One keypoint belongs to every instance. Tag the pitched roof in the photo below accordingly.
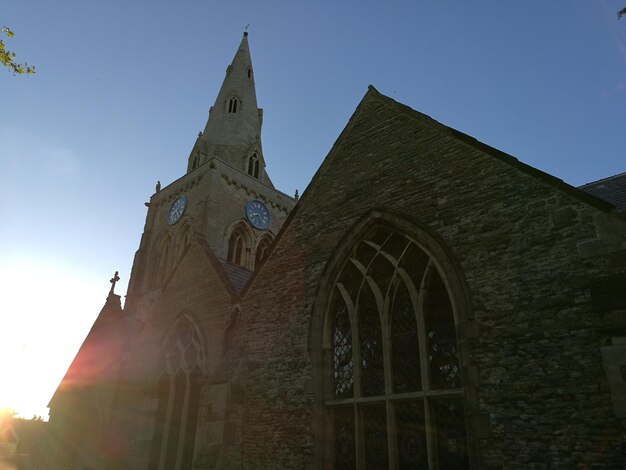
(611, 189)
(237, 275)
(588, 197)
(372, 93)
(100, 355)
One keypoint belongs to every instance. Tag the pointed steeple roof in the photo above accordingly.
(234, 125)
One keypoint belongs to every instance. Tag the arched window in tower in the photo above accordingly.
(253, 165)
(232, 105)
(178, 392)
(183, 238)
(262, 250)
(237, 247)
(396, 399)
(164, 260)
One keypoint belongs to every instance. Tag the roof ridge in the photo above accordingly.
(467, 139)
(606, 178)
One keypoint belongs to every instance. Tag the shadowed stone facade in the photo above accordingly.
(429, 301)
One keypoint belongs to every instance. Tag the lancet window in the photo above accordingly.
(253, 165)
(262, 250)
(232, 105)
(237, 247)
(178, 394)
(396, 397)
(182, 240)
(165, 260)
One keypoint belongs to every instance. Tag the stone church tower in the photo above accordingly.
(226, 196)
(204, 235)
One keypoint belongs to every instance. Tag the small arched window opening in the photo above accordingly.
(253, 165)
(262, 251)
(182, 240)
(395, 398)
(164, 260)
(237, 247)
(232, 105)
(195, 162)
(249, 72)
(178, 393)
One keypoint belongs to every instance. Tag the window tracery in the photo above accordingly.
(396, 397)
(171, 250)
(178, 398)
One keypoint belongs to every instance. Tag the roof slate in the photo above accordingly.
(611, 189)
(237, 275)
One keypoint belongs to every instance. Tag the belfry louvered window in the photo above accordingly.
(253, 165)
(396, 398)
(178, 399)
(232, 105)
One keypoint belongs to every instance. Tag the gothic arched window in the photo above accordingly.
(165, 260)
(253, 165)
(232, 105)
(178, 393)
(396, 398)
(183, 239)
(262, 250)
(237, 247)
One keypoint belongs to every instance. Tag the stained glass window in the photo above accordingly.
(370, 335)
(374, 421)
(397, 397)
(406, 371)
(343, 379)
(344, 438)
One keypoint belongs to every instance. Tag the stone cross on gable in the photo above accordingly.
(113, 281)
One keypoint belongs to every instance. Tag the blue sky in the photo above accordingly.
(122, 89)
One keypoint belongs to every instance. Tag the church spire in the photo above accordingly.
(233, 129)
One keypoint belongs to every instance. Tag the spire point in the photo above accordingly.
(245, 34)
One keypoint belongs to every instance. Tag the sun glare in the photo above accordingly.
(46, 315)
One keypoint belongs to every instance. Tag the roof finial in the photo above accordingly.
(296, 196)
(245, 33)
(158, 186)
(113, 281)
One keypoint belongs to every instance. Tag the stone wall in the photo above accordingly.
(533, 370)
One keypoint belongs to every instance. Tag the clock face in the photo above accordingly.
(177, 209)
(258, 215)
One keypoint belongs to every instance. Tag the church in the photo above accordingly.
(428, 302)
